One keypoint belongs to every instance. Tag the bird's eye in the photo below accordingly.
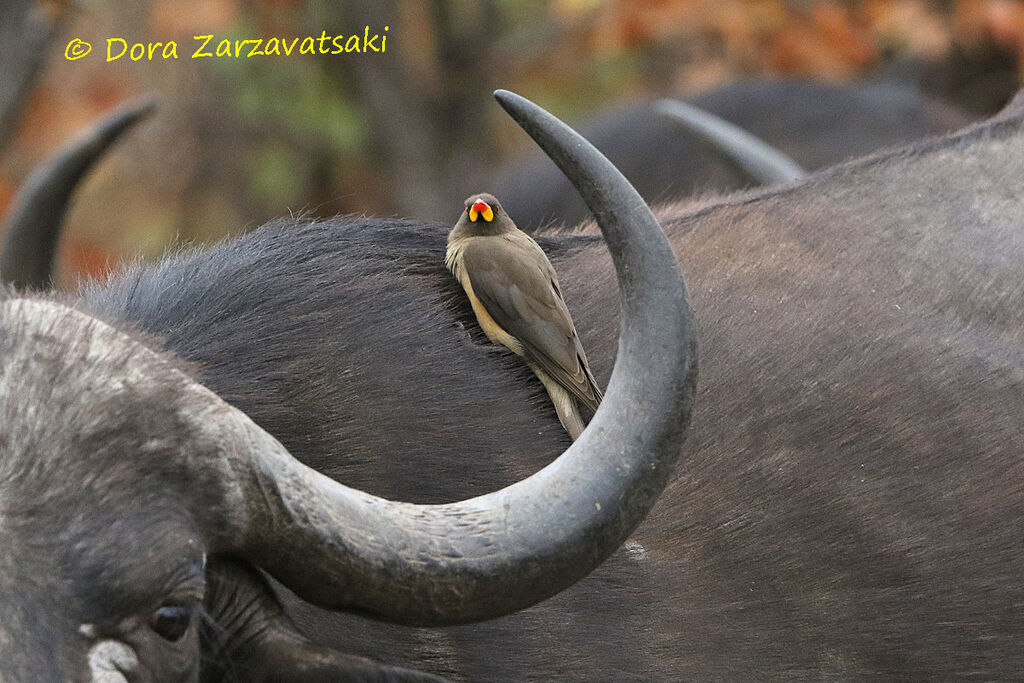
(497, 210)
(171, 622)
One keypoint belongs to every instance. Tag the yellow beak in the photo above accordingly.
(481, 208)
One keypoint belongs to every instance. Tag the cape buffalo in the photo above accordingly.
(817, 124)
(846, 506)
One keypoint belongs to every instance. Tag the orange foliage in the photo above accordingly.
(825, 38)
(86, 259)
(186, 18)
(643, 44)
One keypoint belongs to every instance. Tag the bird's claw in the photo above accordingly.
(467, 339)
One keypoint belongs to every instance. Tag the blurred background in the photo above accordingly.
(409, 132)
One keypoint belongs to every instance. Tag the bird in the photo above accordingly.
(518, 303)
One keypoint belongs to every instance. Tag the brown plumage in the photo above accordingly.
(517, 301)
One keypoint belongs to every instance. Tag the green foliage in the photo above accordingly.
(277, 175)
(293, 95)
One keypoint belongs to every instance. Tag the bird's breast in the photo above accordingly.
(495, 332)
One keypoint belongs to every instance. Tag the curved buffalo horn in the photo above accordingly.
(763, 164)
(492, 555)
(33, 224)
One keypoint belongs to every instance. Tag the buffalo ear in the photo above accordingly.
(248, 637)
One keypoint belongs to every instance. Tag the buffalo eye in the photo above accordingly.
(172, 621)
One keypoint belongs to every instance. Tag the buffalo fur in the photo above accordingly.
(348, 336)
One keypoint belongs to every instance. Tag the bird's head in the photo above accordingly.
(483, 213)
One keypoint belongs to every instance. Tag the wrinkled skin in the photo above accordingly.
(56, 578)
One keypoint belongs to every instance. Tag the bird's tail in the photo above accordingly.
(571, 419)
(566, 406)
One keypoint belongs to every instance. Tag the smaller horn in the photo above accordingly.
(34, 222)
(762, 163)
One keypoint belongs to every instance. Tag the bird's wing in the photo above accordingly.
(517, 285)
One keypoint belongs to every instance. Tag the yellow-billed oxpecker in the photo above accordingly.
(517, 301)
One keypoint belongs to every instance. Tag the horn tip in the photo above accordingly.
(676, 108)
(511, 102)
(144, 106)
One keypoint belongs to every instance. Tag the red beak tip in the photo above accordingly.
(480, 205)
